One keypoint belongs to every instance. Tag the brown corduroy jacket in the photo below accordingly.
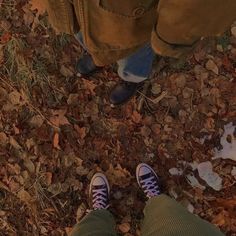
(113, 29)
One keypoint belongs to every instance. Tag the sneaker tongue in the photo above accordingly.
(99, 186)
(146, 176)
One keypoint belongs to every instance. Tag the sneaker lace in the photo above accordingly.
(150, 187)
(100, 199)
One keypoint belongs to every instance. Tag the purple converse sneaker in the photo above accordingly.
(99, 192)
(148, 180)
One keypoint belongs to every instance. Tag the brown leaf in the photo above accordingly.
(36, 121)
(80, 212)
(48, 178)
(66, 71)
(68, 230)
(28, 16)
(211, 65)
(14, 143)
(156, 128)
(136, 117)
(81, 131)
(56, 141)
(58, 118)
(209, 124)
(145, 131)
(233, 31)
(124, 227)
(73, 99)
(89, 85)
(180, 81)
(118, 175)
(25, 197)
(3, 139)
(29, 165)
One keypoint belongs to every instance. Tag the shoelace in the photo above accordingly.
(100, 199)
(150, 187)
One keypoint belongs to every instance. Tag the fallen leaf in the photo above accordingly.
(36, 121)
(156, 129)
(118, 175)
(156, 89)
(5, 37)
(233, 31)
(124, 227)
(25, 197)
(16, 99)
(58, 118)
(89, 85)
(181, 81)
(175, 171)
(210, 124)
(29, 165)
(146, 131)
(136, 117)
(80, 212)
(14, 143)
(82, 132)
(193, 181)
(68, 230)
(28, 16)
(187, 92)
(211, 65)
(55, 189)
(56, 141)
(4, 140)
(73, 99)
(66, 71)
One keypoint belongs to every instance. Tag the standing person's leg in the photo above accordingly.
(133, 70)
(85, 65)
(99, 222)
(96, 223)
(163, 215)
(137, 67)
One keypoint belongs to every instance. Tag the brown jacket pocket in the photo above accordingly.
(110, 28)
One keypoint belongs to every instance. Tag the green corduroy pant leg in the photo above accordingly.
(96, 223)
(163, 216)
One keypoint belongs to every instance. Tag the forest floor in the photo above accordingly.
(57, 130)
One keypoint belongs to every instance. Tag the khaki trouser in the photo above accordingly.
(163, 217)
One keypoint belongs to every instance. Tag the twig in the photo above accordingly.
(147, 85)
(158, 99)
(143, 93)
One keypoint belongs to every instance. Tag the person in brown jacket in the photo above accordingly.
(131, 32)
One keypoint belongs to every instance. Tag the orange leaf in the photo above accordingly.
(56, 141)
(5, 37)
(81, 131)
(90, 85)
(136, 117)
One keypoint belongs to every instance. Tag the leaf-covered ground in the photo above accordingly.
(57, 130)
